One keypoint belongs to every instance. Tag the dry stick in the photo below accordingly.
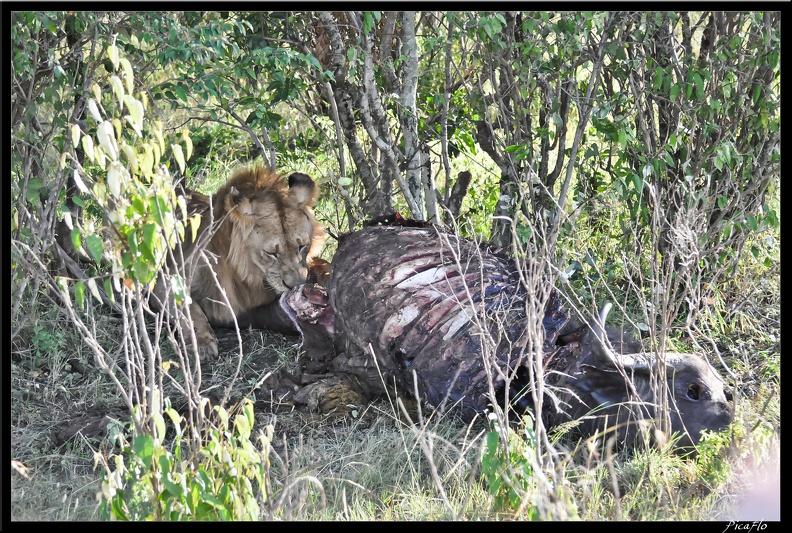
(228, 389)
(584, 111)
(243, 125)
(392, 153)
(337, 123)
(444, 113)
(90, 339)
(612, 472)
(408, 115)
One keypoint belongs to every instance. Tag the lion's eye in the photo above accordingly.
(303, 249)
(272, 255)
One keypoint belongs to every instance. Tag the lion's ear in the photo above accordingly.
(235, 199)
(302, 189)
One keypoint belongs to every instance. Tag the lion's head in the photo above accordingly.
(271, 230)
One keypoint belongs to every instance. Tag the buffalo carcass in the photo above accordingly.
(424, 302)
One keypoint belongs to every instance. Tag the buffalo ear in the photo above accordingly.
(603, 385)
(302, 189)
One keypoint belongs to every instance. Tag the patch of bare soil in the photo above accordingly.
(264, 367)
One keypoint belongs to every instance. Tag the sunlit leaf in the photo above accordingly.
(135, 109)
(88, 147)
(79, 182)
(101, 157)
(106, 136)
(94, 110)
(129, 78)
(159, 424)
(179, 155)
(112, 55)
(195, 223)
(188, 144)
(100, 191)
(75, 134)
(94, 289)
(63, 285)
(118, 91)
(131, 156)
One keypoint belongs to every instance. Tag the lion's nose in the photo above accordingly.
(296, 278)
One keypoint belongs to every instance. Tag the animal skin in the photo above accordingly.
(398, 309)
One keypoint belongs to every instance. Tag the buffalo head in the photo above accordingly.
(607, 389)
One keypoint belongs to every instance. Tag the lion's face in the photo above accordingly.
(279, 247)
(274, 233)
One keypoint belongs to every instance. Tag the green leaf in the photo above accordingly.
(138, 205)
(752, 222)
(772, 59)
(148, 245)
(108, 287)
(79, 293)
(368, 21)
(699, 81)
(119, 508)
(675, 90)
(756, 93)
(722, 202)
(76, 236)
(143, 447)
(95, 246)
(622, 138)
(181, 93)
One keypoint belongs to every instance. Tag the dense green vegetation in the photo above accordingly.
(631, 157)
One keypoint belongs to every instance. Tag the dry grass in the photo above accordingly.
(374, 464)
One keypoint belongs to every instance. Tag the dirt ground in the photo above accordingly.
(268, 373)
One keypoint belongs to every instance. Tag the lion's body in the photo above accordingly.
(261, 231)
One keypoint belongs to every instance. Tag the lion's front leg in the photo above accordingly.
(204, 334)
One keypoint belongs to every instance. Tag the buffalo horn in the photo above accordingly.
(598, 345)
(638, 362)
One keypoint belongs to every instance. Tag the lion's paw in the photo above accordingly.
(207, 346)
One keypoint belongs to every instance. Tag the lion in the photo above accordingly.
(260, 233)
